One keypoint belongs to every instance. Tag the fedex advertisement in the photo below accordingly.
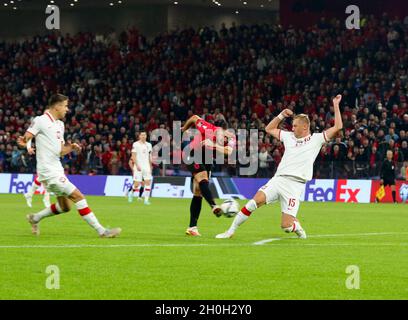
(316, 190)
(337, 190)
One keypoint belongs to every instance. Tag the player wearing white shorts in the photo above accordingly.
(142, 168)
(294, 170)
(139, 189)
(48, 131)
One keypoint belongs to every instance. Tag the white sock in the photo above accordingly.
(48, 212)
(134, 190)
(146, 193)
(243, 215)
(88, 216)
(239, 219)
(294, 227)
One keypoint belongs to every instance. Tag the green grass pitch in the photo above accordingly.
(153, 259)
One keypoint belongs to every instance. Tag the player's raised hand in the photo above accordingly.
(337, 99)
(287, 113)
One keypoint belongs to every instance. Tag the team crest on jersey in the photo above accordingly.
(59, 134)
(62, 179)
(302, 142)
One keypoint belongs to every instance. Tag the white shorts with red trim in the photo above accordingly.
(60, 186)
(287, 191)
(142, 175)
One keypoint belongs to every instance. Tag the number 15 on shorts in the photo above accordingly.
(291, 202)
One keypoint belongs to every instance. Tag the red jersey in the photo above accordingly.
(208, 131)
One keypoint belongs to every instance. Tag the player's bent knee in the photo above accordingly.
(260, 199)
(76, 196)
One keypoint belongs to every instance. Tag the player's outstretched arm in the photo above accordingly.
(272, 127)
(191, 121)
(227, 150)
(338, 122)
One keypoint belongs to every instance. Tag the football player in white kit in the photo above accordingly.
(294, 170)
(142, 169)
(48, 130)
(131, 189)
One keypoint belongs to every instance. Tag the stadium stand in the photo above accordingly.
(121, 83)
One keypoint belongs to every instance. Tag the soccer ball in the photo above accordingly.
(230, 208)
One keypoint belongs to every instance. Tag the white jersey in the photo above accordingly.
(49, 137)
(299, 155)
(143, 152)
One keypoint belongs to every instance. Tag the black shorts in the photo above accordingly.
(195, 168)
(389, 182)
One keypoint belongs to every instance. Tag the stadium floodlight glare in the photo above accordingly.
(6, 4)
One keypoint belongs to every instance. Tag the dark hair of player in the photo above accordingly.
(56, 98)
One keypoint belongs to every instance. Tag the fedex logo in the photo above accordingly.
(19, 183)
(338, 190)
(127, 184)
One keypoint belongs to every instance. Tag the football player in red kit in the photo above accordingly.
(215, 139)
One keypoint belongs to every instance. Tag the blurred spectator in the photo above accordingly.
(264, 163)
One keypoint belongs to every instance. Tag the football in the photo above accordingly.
(230, 208)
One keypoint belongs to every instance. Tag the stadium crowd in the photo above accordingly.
(120, 84)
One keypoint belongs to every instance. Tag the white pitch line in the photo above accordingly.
(67, 246)
(225, 243)
(262, 242)
(147, 245)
